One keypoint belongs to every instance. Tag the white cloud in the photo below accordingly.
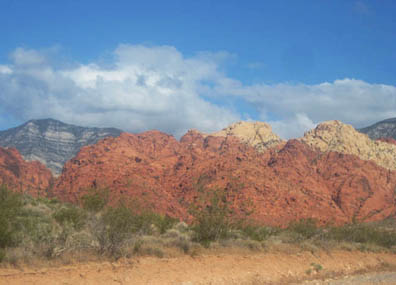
(27, 57)
(158, 88)
(5, 69)
(352, 101)
(146, 88)
(292, 127)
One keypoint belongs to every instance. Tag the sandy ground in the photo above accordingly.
(254, 268)
(388, 278)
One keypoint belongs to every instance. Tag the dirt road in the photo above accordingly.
(260, 268)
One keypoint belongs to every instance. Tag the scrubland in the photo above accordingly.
(42, 231)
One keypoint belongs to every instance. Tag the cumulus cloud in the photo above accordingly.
(145, 88)
(5, 69)
(293, 126)
(158, 88)
(298, 107)
(27, 57)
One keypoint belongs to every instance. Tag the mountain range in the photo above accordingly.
(382, 129)
(334, 173)
(52, 142)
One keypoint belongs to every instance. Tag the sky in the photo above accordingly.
(179, 65)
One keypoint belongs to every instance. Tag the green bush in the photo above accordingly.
(95, 200)
(71, 215)
(362, 233)
(305, 227)
(213, 217)
(161, 222)
(119, 224)
(34, 226)
(256, 232)
(10, 207)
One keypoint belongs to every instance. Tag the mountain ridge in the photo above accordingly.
(382, 129)
(52, 142)
(333, 174)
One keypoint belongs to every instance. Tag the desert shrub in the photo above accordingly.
(2, 255)
(34, 225)
(257, 233)
(71, 215)
(181, 227)
(213, 217)
(160, 222)
(362, 233)
(118, 224)
(151, 251)
(95, 200)
(10, 207)
(305, 227)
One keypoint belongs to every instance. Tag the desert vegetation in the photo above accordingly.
(45, 230)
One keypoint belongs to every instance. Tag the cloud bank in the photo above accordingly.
(157, 87)
(299, 107)
(144, 88)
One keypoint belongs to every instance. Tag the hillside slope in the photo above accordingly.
(382, 129)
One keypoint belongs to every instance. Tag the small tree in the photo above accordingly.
(95, 200)
(213, 216)
(117, 225)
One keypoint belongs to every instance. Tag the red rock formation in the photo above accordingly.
(284, 184)
(131, 165)
(32, 178)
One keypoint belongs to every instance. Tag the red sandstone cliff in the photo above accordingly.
(284, 184)
(32, 178)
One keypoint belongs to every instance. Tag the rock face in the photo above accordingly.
(257, 134)
(383, 129)
(52, 142)
(134, 166)
(32, 178)
(283, 184)
(339, 137)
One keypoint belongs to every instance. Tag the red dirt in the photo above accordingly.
(261, 268)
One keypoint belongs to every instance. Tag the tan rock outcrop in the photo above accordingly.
(339, 137)
(257, 134)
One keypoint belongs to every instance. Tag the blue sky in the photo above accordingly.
(175, 65)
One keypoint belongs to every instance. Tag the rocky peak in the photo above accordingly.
(52, 142)
(257, 134)
(339, 137)
(192, 137)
